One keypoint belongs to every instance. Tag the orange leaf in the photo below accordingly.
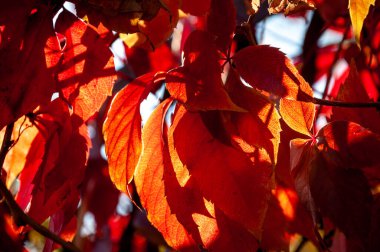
(200, 78)
(358, 12)
(122, 130)
(151, 186)
(17, 155)
(224, 175)
(298, 115)
(87, 73)
(268, 69)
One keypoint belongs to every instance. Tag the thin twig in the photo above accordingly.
(346, 104)
(335, 60)
(17, 213)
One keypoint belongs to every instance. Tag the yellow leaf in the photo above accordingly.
(358, 12)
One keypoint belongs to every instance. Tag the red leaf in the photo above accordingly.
(262, 116)
(330, 10)
(200, 77)
(98, 14)
(275, 233)
(353, 91)
(29, 51)
(355, 145)
(52, 174)
(342, 162)
(268, 69)
(224, 175)
(179, 211)
(161, 26)
(197, 8)
(221, 22)
(285, 217)
(122, 130)
(301, 155)
(298, 115)
(330, 185)
(143, 61)
(86, 75)
(374, 242)
(98, 190)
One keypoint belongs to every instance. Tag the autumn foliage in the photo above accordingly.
(240, 150)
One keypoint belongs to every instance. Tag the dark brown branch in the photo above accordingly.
(7, 143)
(346, 104)
(17, 213)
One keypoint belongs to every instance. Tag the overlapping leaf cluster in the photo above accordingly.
(215, 173)
(50, 140)
(230, 160)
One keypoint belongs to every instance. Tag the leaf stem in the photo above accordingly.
(346, 104)
(17, 213)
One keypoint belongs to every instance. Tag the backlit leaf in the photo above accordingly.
(86, 74)
(122, 130)
(52, 183)
(151, 186)
(179, 211)
(358, 12)
(17, 156)
(224, 175)
(268, 69)
(298, 115)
